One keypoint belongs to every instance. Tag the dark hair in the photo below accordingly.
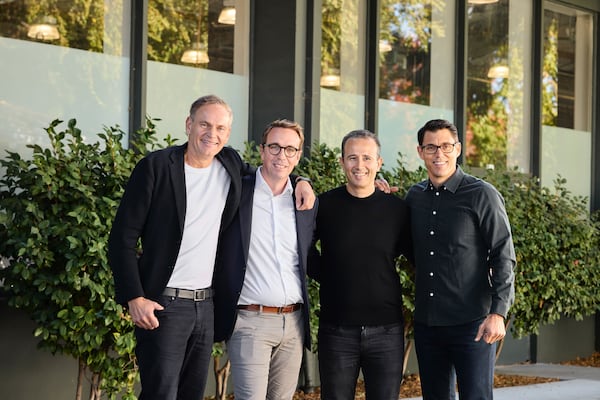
(210, 99)
(284, 123)
(435, 125)
(361, 134)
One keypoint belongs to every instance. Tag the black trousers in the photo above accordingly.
(174, 358)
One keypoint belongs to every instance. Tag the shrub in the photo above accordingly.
(557, 243)
(56, 210)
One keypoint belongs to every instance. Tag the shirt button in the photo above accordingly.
(431, 294)
(431, 253)
(437, 193)
(434, 212)
(431, 274)
(431, 233)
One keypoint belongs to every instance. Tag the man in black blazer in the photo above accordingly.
(162, 249)
(261, 300)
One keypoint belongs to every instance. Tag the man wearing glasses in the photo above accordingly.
(261, 301)
(464, 259)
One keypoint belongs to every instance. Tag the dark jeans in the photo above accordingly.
(173, 359)
(344, 350)
(443, 350)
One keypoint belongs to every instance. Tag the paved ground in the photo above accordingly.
(577, 383)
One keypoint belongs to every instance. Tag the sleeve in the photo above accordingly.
(313, 262)
(126, 231)
(497, 235)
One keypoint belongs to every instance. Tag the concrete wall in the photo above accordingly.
(566, 339)
(27, 373)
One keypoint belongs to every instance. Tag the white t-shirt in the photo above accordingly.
(206, 192)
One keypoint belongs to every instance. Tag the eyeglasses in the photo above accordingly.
(275, 149)
(432, 148)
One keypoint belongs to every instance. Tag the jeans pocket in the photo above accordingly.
(165, 302)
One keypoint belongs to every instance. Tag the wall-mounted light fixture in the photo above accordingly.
(45, 29)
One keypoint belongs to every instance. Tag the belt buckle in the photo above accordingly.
(199, 295)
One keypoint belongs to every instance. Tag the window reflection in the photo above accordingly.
(566, 97)
(343, 59)
(86, 25)
(404, 50)
(342, 45)
(189, 33)
(567, 70)
(174, 27)
(488, 75)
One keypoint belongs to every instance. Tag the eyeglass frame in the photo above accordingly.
(272, 146)
(431, 145)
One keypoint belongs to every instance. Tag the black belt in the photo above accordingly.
(268, 309)
(196, 295)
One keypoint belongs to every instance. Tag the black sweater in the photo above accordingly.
(360, 241)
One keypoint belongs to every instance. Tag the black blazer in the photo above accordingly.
(232, 258)
(153, 209)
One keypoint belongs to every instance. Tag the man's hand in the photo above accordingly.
(305, 196)
(384, 186)
(491, 329)
(142, 312)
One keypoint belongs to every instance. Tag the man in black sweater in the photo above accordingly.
(362, 231)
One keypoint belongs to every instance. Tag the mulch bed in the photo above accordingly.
(411, 386)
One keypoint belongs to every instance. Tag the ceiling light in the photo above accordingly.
(227, 14)
(498, 71)
(482, 1)
(331, 78)
(44, 30)
(195, 55)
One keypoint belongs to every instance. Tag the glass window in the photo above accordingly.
(78, 24)
(412, 88)
(196, 48)
(342, 69)
(498, 61)
(567, 97)
(404, 48)
(68, 59)
(192, 33)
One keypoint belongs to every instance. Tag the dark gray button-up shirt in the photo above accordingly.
(464, 254)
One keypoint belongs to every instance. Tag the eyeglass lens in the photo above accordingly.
(445, 147)
(275, 149)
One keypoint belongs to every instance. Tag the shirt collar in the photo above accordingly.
(452, 183)
(264, 187)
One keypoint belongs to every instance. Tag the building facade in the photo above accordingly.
(519, 78)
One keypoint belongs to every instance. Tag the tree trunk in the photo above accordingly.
(407, 349)
(95, 391)
(80, 376)
(221, 377)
